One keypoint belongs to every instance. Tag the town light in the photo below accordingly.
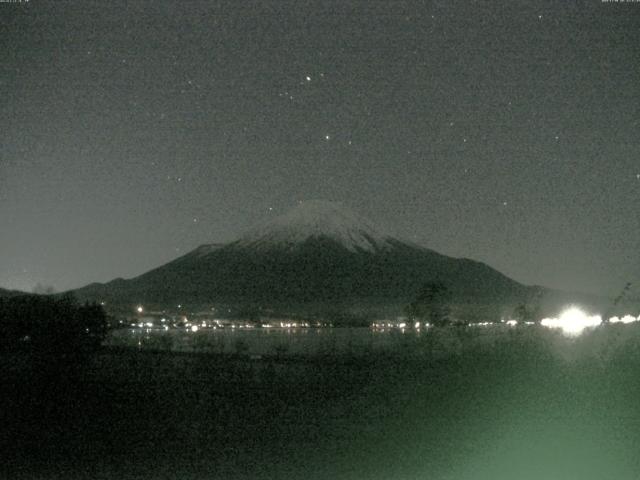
(625, 319)
(572, 321)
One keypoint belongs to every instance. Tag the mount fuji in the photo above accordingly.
(318, 255)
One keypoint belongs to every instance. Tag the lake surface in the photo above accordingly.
(436, 343)
(260, 341)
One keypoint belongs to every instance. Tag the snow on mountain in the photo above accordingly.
(317, 219)
(204, 250)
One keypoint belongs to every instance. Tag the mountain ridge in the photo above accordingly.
(6, 293)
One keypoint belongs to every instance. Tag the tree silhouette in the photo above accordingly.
(432, 304)
(524, 313)
(45, 325)
(616, 301)
(528, 310)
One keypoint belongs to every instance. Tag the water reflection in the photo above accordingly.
(355, 341)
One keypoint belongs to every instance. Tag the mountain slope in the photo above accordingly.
(319, 253)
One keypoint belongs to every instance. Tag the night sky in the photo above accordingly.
(507, 132)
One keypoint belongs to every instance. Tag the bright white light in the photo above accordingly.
(194, 328)
(149, 324)
(140, 309)
(572, 321)
(512, 323)
(625, 319)
(417, 325)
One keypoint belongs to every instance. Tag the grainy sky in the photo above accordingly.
(507, 132)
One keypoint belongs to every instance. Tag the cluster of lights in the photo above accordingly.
(382, 325)
(626, 319)
(573, 321)
(294, 325)
(481, 324)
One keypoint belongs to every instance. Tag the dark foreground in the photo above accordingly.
(530, 405)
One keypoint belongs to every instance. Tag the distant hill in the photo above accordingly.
(320, 256)
(11, 293)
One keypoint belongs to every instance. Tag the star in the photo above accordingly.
(327, 137)
(308, 78)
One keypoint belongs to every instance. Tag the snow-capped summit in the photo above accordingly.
(318, 219)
